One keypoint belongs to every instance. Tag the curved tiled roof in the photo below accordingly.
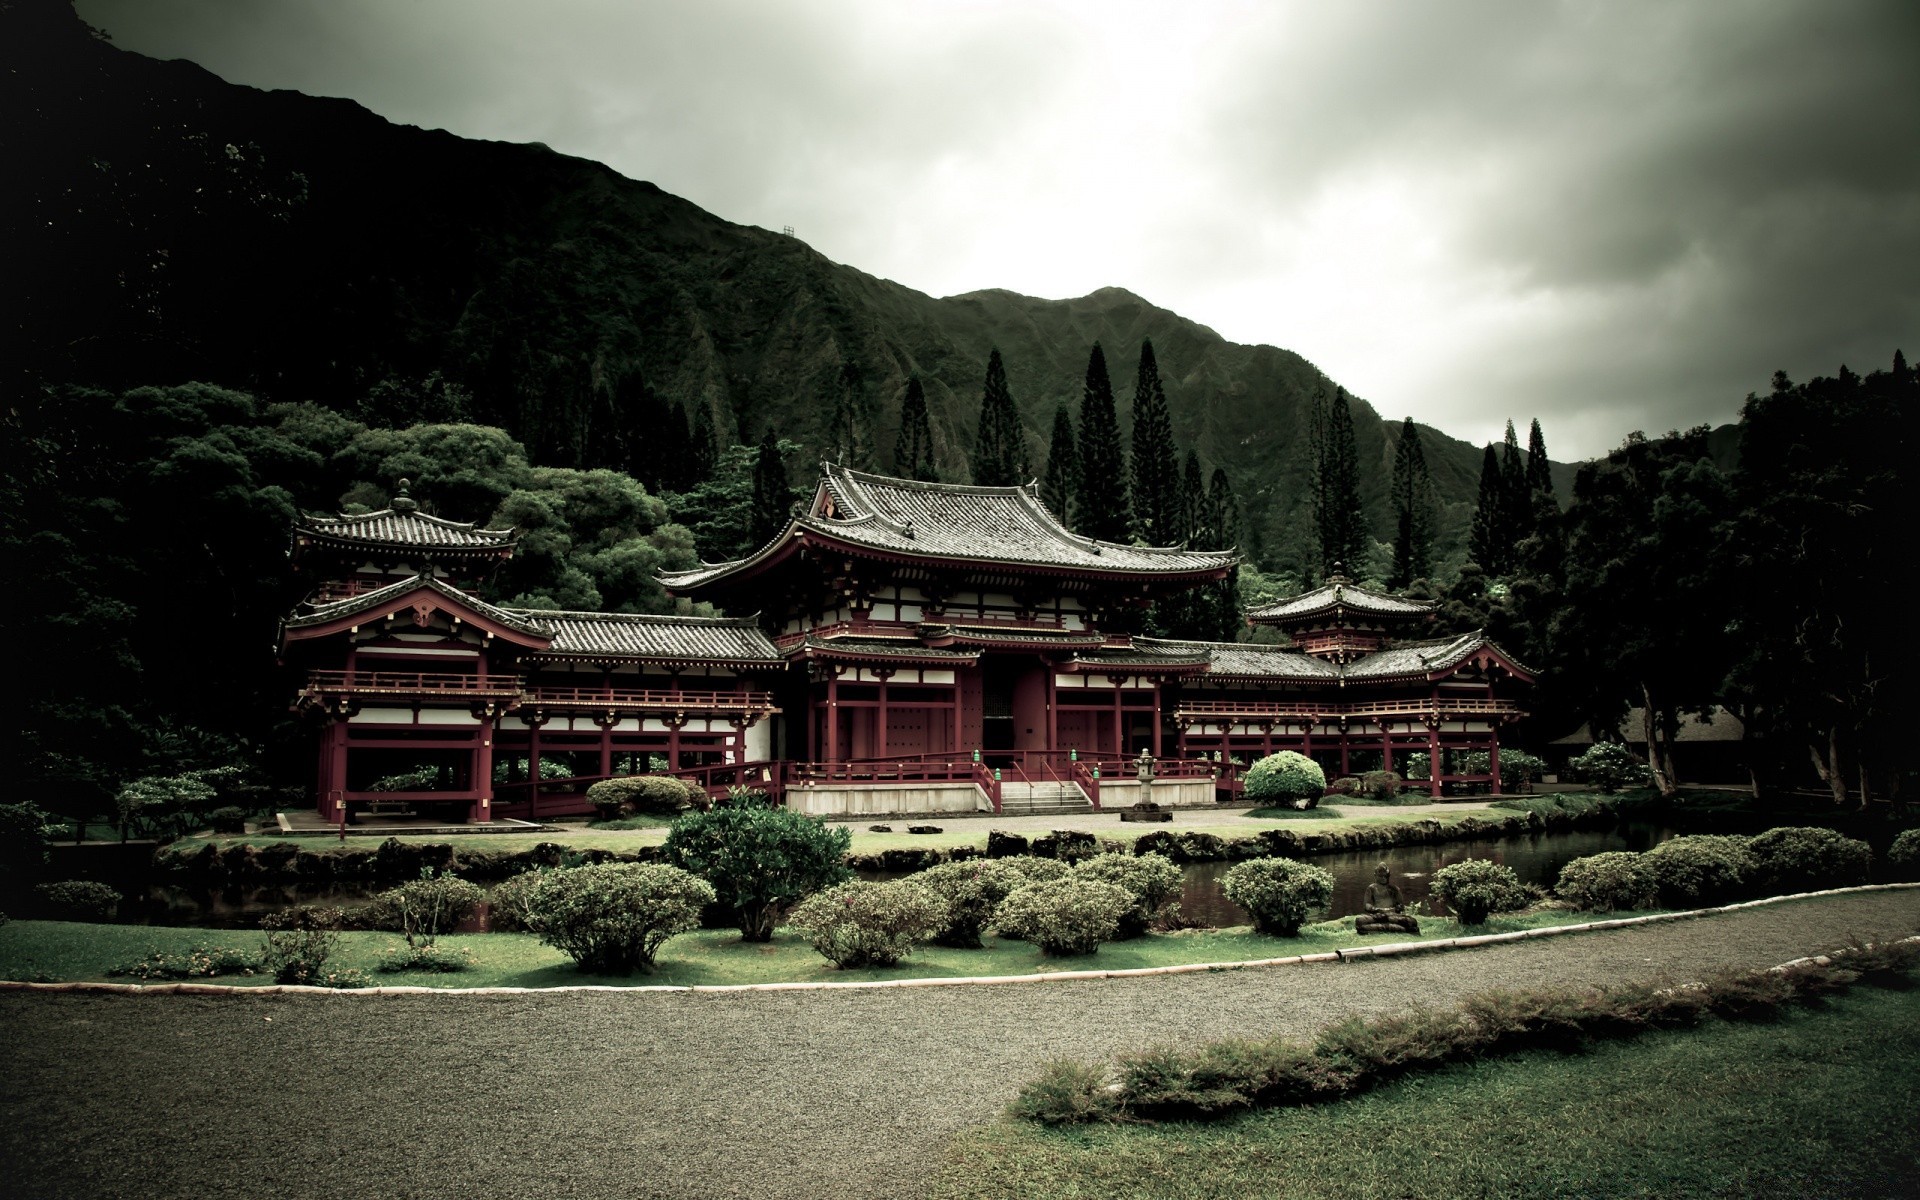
(1421, 658)
(997, 525)
(1242, 660)
(1145, 655)
(333, 610)
(403, 527)
(695, 639)
(865, 647)
(1338, 594)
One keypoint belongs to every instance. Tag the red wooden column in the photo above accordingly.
(337, 766)
(1493, 754)
(533, 721)
(959, 724)
(833, 716)
(1156, 721)
(483, 767)
(674, 724)
(606, 723)
(1433, 758)
(1053, 709)
(1119, 722)
(1344, 771)
(880, 720)
(1386, 746)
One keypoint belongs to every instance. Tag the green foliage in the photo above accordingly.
(77, 900)
(1608, 882)
(420, 779)
(772, 505)
(860, 924)
(1518, 769)
(758, 859)
(1061, 479)
(1904, 855)
(1478, 887)
(228, 819)
(1278, 893)
(1101, 508)
(972, 890)
(198, 962)
(160, 805)
(663, 795)
(510, 902)
(1155, 491)
(1285, 777)
(1339, 522)
(427, 958)
(1151, 879)
(427, 907)
(612, 918)
(1067, 1092)
(1491, 541)
(299, 941)
(913, 448)
(1000, 450)
(1070, 916)
(25, 834)
(1413, 502)
(1611, 766)
(1701, 869)
(1804, 859)
(1380, 787)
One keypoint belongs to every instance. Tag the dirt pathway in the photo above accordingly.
(794, 1094)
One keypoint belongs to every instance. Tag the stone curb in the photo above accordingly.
(1349, 954)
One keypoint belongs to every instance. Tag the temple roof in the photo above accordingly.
(1338, 595)
(334, 610)
(1419, 658)
(1413, 660)
(988, 525)
(688, 639)
(403, 527)
(1244, 660)
(874, 647)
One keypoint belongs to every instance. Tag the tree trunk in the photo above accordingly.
(1835, 777)
(1866, 787)
(1662, 771)
(756, 922)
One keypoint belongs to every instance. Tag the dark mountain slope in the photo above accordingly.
(170, 226)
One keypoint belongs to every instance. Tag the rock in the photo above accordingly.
(923, 829)
(1006, 845)
(1139, 813)
(1157, 842)
(879, 829)
(1072, 845)
(1385, 923)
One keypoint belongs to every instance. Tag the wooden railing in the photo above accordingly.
(650, 698)
(515, 687)
(411, 683)
(1212, 710)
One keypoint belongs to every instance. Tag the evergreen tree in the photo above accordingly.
(1514, 491)
(1196, 515)
(1338, 521)
(848, 442)
(1223, 533)
(639, 414)
(1487, 541)
(1413, 505)
(1101, 504)
(703, 450)
(1000, 452)
(913, 449)
(772, 497)
(675, 443)
(1156, 479)
(1062, 477)
(1539, 469)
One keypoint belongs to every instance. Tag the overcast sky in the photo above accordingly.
(1609, 215)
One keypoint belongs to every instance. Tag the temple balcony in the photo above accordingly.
(649, 700)
(409, 686)
(1214, 712)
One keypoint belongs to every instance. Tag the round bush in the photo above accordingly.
(1700, 869)
(1279, 893)
(228, 819)
(759, 859)
(1904, 855)
(1151, 879)
(509, 903)
(78, 900)
(1065, 916)
(612, 918)
(972, 890)
(427, 907)
(1034, 869)
(863, 924)
(1478, 887)
(1805, 859)
(1610, 766)
(1608, 882)
(659, 795)
(1285, 778)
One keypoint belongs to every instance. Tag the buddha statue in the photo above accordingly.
(1385, 907)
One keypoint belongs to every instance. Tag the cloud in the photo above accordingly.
(1613, 216)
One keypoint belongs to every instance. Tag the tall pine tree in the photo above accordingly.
(1223, 533)
(1539, 469)
(1101, 505)
(1196, 521)
(848, 440)
(1061, 479)
(1513, 486)
(913, 448)
(1413, 504)
(1000, 452)
(1338, 520)
(1488, 541)
(772, 497)
(1156, 478)
(703, 451)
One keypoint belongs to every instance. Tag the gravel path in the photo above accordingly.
(770, 1094)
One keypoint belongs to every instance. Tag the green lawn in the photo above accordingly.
(1817, 1103)
(68, 950)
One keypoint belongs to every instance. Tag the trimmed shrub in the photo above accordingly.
(1151, 879)
(1903, 857)
(427, 907)
(1610, 766)
(1478, 887)
(660, 795)
(1608, 882)
(612, 918)
(200, 962)
(510, 903)
(1284, 778)
(1346, 785)
(1278, 893)
(1066, 916)
(1700, 869)
(1066, 1093)
(427, 958)
(1798, 858)
(971, 891)
(759, 859)
(25, 833)
(1383, 786)
(77, 900)
(1035, 869)
(1520, 770)
(228, 819)
(862, 924)
(300, 940)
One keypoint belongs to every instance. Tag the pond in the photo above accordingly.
(1536, 858)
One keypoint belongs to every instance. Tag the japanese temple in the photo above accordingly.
(915, 648)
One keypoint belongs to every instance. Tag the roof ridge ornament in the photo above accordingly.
(401, 502)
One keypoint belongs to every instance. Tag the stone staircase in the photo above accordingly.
(1042, 799)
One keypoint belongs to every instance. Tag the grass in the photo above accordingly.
(72, 951)
(1296, 814)
(1816, 1103)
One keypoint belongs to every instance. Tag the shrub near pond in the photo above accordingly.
(612, 918)
(1478, 887)
(1279, 893)
(427, 907)
(759, 859)
(971, 891)
(1151, 879)
(300, 940)
(77, 900)
(862, 924)
(660, 795)
(1806, 859)
(1700, 869)
(1608, 882)
(1903, 857)
(1284, 778)
(1065, 916)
